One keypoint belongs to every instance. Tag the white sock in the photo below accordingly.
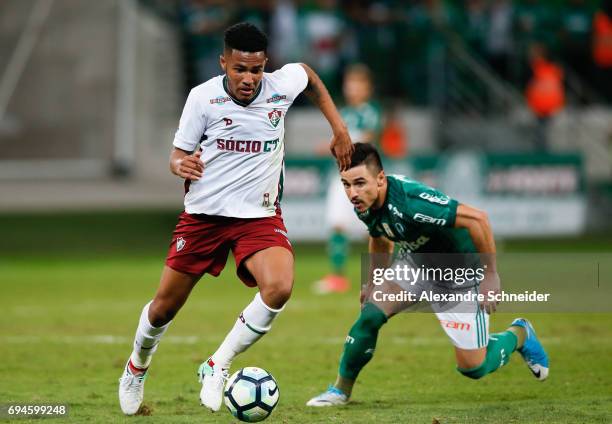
(253, 323)
(146, 339)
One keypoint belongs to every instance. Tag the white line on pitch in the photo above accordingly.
(191, 340)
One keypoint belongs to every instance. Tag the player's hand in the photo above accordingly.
(490, 284)
(191, 167)
(342, 149)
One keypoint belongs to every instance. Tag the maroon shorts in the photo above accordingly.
(201, 243)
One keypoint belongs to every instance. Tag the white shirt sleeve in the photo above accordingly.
(296, 78)
(192, 125)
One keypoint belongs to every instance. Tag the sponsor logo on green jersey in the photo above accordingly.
(442, 200)
(412, 246)
(419, 217)
(395, 211)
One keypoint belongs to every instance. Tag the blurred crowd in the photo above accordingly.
(395, 38)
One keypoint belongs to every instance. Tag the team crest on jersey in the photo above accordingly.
(219, 100)
(275, 117)
(276, 98)
(388, 230)
(180, 244)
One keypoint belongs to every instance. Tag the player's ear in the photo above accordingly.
(222, 62)
(380, 178)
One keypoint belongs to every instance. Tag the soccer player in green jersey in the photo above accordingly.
(362, 116)
(423, 220)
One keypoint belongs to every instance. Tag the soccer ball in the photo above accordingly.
(251, 394)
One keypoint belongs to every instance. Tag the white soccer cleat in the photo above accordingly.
(131, 390)
(213, 379)
(331, 397)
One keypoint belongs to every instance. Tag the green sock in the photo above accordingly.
(499, 349)
(361, 342)
(338, 249)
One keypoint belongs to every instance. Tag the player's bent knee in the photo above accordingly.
(277, 293)
(368, 323)
(371, 319)
(284, 293)
(475, 373)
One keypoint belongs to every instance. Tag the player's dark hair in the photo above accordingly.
(245, 37)
(359, 69)
(366, 153)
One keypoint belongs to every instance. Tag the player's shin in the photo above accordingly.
(254, 321)
(146, 340)
(359, 346)
(499, 349)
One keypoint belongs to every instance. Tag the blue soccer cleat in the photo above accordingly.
(532, 351)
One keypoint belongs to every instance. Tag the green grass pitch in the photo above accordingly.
(69, 311)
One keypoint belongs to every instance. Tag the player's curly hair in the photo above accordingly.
(366, 153)
(245, 37)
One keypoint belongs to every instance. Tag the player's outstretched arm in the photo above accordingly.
(341, 146)
(380, 249)
(186, 165)
(477, 223)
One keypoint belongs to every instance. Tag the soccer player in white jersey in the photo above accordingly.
(229, 149)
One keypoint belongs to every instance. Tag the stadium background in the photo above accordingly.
(90, 95)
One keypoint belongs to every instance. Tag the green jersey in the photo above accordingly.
(360, 119)
(418, 218)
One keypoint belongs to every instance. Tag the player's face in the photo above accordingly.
(362, 186)
(357, 89)
(244, 72)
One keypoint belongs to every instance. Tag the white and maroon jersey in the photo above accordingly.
(242, 144)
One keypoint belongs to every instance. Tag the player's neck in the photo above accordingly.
(357, 105)
(382, 196)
